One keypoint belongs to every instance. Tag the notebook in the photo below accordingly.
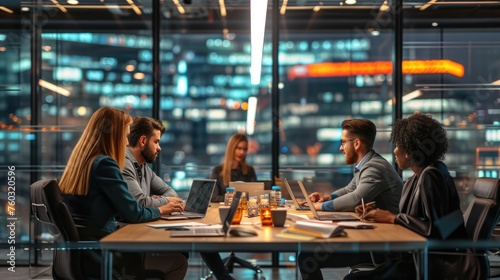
(293, 197)
(197, 201)
(212, 231)
(325, 216)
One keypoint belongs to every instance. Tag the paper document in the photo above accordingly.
(177, 225)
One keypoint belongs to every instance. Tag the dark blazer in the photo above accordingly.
(107, 197)
(430, 206)
(236, 175)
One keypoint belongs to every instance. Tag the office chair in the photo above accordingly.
(232, 259)
(480, 219)
(48, 207)
(80, 263)
(482, 216)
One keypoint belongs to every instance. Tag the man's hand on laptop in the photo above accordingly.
(170, 208)
(316, 197)
(173, 199)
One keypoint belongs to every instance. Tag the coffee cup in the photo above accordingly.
(278, 216)
(223, 211)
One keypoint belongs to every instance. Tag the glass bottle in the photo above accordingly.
(275, 197)
(228, 197)
(244, 203)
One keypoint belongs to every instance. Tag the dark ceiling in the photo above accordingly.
(300, 15)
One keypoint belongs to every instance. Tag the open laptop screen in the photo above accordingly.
(199, 196)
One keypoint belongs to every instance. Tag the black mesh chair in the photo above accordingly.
(49, 209)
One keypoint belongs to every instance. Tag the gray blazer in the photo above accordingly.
(376, 181)
(143, 183)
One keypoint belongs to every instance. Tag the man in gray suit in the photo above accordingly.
(144, 146)
(146, 187)
(374, 180)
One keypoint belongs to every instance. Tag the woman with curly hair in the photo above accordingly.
(429, 204)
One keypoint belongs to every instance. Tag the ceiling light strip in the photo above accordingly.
(251, 113)
(7, 10)
(258, 12)
(283, 7)
(179, 6)
(427, 5)
(59, 6)
(134, 7)
(54, 88)
(222, 6)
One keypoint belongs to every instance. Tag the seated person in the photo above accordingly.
(93, 187)
(430, 204)
(234, 167)
(147, 188)
(374, 180)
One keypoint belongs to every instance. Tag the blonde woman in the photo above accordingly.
(234, 167)
(94, 189)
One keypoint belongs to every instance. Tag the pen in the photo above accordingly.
(363, 204)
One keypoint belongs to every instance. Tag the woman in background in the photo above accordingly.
(94, 189)
(430, 205)
(234, 167)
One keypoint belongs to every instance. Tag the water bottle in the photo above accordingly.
(228, 197)
(275, 197)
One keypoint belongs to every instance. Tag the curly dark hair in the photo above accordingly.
(421, 137)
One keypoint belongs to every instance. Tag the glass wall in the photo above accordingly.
(60, 62)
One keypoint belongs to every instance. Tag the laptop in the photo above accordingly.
(197, 202)
(298, 206)
(211, 231)
(252, 188)
(325, 216)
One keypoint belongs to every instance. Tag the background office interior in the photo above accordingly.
(187, 63)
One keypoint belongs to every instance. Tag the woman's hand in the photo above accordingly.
(380, 216)
(170, 208)
(368, 207)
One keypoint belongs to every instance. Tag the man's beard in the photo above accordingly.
(349, 159)
(148, 156)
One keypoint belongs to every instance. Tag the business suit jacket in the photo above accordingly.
(376, 181)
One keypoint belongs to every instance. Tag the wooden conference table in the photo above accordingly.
(143, 238)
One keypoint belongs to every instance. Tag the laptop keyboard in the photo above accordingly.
(206, 230)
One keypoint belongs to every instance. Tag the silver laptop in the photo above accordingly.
(252, 188)
(197, 202)
(325, 216)
(211, 231)
(298, 206)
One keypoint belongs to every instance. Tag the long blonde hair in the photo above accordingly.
(229, 157)
(105, 134)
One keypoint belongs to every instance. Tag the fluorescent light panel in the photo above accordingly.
(222, 5)
(283, 7)
(258, 12)
(54, 88)
(251, 112)
(7, 10)
(179, 6)
(134, 7)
